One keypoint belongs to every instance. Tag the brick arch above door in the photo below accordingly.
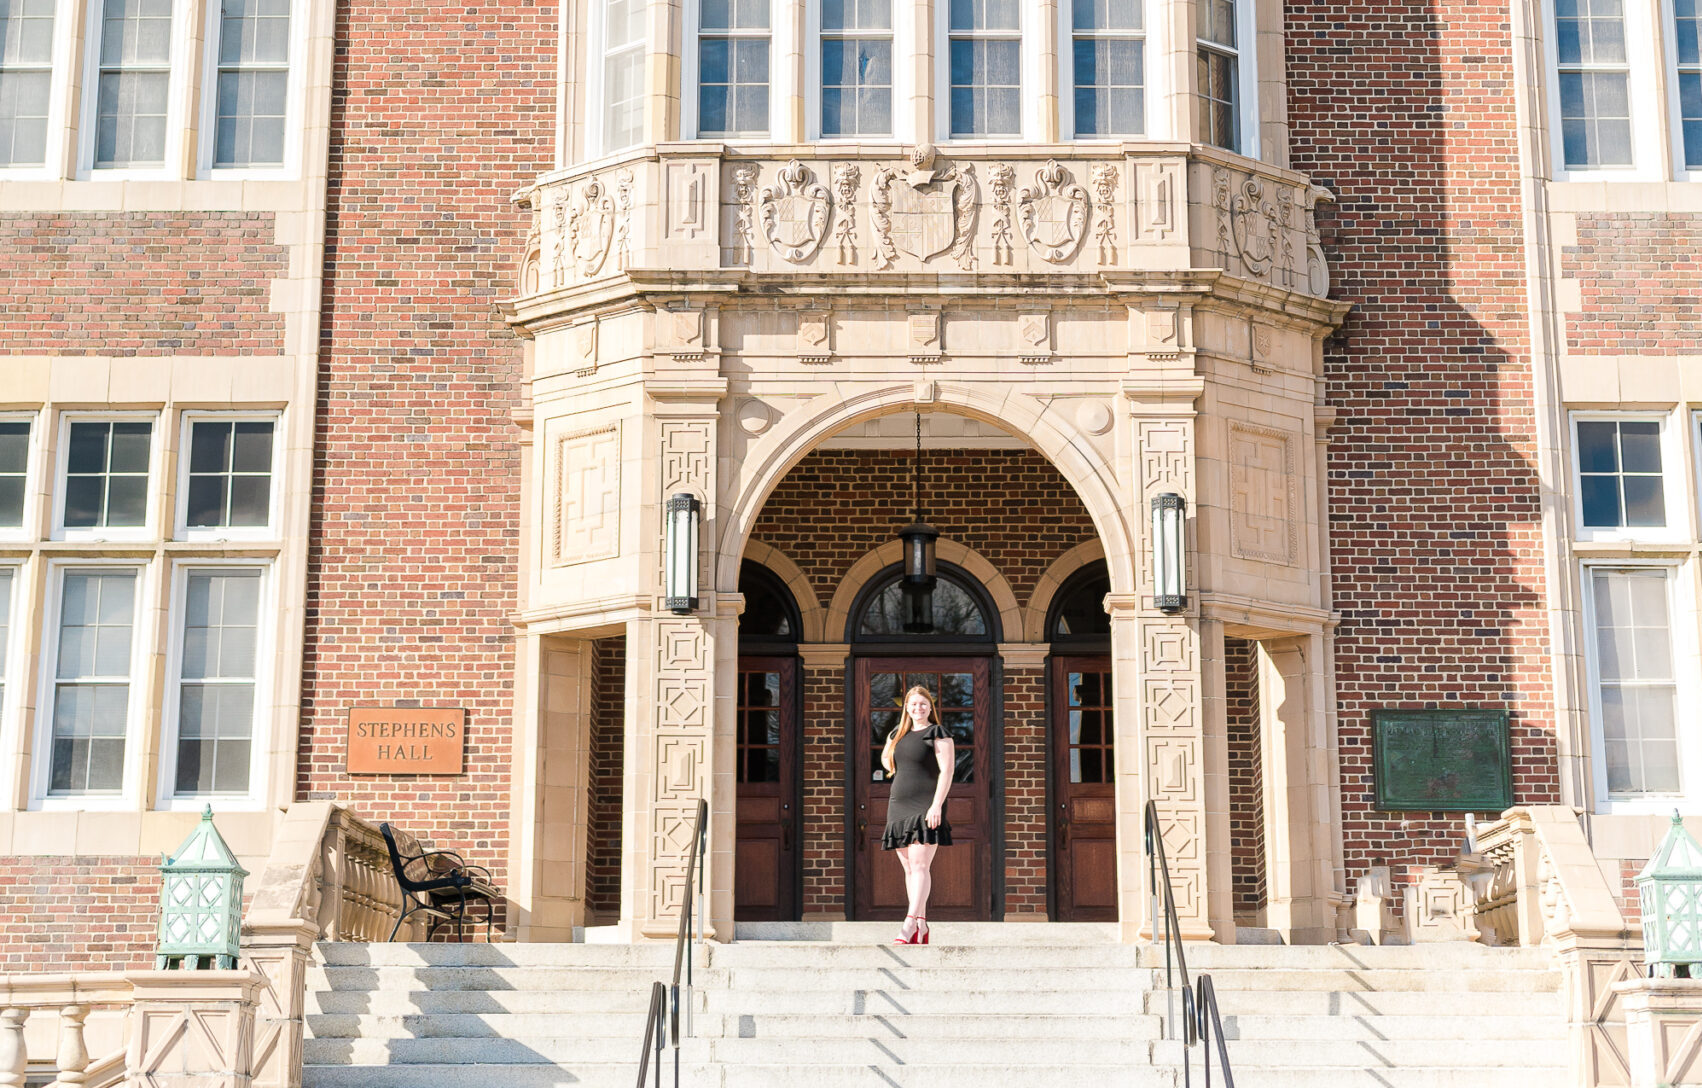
(947, 550)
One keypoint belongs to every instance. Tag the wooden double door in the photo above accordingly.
(1084, 804)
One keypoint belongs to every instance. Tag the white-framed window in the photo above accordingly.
(8, 583)
(1107, 66)
(248, 76)
(104, 484)
(215, 697)
(1595, 83)
(619, 31)
(1625, 471)
(983, 69)
(1686, 39)
(90, 660)
(1225, 85)
(127, 122)
(26, 80)
(227, 478)
(1637, 690)
(731, 68)
(15, 434)
(856, 69)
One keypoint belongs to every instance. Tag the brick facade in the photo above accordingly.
(78, 913)
(1246, 777)
(603, 821)
(140, 283)
(1435, 530)
(413, 560)
(1639, 278)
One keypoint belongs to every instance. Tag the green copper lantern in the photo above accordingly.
(1670, 890)
(200, 902)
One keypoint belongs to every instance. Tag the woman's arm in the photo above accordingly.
(945, 752)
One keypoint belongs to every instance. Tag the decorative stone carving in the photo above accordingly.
(1161, 334)
(591, 228)
(1103, 176)
(744, 196)
(1094, 417)
(815, 336)
(1285, 227)
(1262, 346)
(558, 253)
(584, 348)
(1317, 268)
(1165, 455)
(685, 456)
(687, 199)
(1160, 189)
(846, 177)
(1374, 921)
(794, 212)
(755, 417)
(1439, 909)
(1053, 214)
(925, 340)
(682, 334)
(587, 497)
(1247, 222)
(623, 221)
(1035, 333)
(1003, 180)
(924, 211)
(532, 256)
(1264, 494)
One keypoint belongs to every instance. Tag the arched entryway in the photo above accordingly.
(767, 880)
(955, 661)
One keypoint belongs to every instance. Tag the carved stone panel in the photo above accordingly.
(815, 336)
(1053, 213)
(591, 228)
(687, 189)
(1263, 494)
(924, 211)
(1034, 337)
(795, 212)
(681, 334)
(686, 450)
(587, 497)
(926, 345)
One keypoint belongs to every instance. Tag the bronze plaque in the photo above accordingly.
(1442, 760)
(406, 740)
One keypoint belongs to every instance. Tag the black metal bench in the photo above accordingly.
(437, 883)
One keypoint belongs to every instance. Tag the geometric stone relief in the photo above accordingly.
(1094, 417)
(1173, 766)
(755, 417)
(795, 212)
(686, 447)
(1167, 648)
(1170, 702)
(587, 497)
(680, 701)
(687, 200)
(1053, 214)
(679, 768)
(1165, 454)
(1180, 830)
(683, 644)
(1263, 494)
(924, 211)
(1161, 185)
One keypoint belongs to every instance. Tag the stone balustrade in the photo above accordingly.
(859, 212)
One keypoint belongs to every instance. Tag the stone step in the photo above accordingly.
(754, 1076)
(893, 1025)
(484, 978)
(957, 933)
(1233, 1002)
(1326, 1053)
(896, 1000)
(504, 1025)
(542, 1050)
(804, 977)
(1206, 956)
(1426, 1076)
(884, 1050)
(1480, 1028)
(657, 956)
(458, 1075)
(430, 1002)
(1381, 981)
(937, 954)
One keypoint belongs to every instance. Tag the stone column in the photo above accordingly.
(553, 754)
(1299, 866)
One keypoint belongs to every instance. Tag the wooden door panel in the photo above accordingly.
(962, 872)
(1084, 809)
(765, 857)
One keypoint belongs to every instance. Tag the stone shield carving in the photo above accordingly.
(923, 211)
(795, 212)
(1252, 225)
(1053, 214)
(590, 228)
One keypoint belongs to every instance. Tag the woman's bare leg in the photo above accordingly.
(909, 890)
(920, 881)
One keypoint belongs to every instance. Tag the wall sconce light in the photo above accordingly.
(1169, 552)
(684, 514)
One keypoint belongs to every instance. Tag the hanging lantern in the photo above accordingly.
(918, 538)
(684, 513)
(200, 902)
(1669, 890)
(1169, 552)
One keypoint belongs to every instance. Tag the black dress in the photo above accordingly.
(915, 776)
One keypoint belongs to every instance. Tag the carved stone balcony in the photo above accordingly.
(695, 217)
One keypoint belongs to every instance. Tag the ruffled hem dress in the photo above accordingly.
(916, 773)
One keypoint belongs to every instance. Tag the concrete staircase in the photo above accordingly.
(829, 1004)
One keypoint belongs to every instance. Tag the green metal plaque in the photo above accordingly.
(1442, 760)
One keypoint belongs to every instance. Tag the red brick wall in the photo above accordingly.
(1436, 540)
(1246, 777)
(603, 822)
(439, 112)
(78, 913)
(1010, 506)
(140, 283)
(1640, 278)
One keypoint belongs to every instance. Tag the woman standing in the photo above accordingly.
(920, 757)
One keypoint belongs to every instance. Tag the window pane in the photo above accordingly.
(1598, 448)
(126, 501)
(1644, 505)
(23, 116)
(1634, 668)
(1690, 106)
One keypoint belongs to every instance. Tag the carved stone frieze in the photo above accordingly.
(1104, 179)
(744, 208)
(795, 212)
(1248, 223)
(1003, 182)
(591, 228)
(1053, 214)
(924, 211)
(847, 176)
(623, 220)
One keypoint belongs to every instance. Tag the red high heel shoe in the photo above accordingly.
(913, 933)
(921, 928)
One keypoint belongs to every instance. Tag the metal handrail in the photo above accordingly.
(666, 997)
(1199, 1001)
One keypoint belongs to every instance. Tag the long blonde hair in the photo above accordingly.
(904, 724)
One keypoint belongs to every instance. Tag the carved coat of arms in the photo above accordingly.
(1053, 214)
(794, 212)
(923, 211)
(1248, 221)
(591, 227)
